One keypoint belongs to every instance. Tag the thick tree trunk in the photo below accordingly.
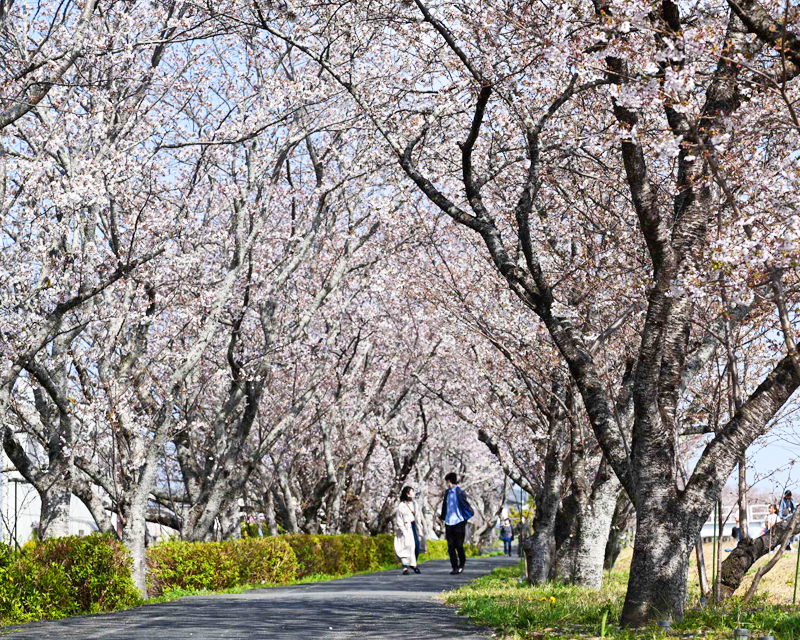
(229, 520)
(660, 566)
(593, 530)
(133, 537)
(539, 546)
(54, 515)
(565, 536)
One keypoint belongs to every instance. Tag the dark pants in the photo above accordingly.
(416, 539)
(507, 546)
(455, 534)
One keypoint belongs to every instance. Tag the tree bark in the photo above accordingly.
(133, 537)
(539, 546)
(657, 584)
(270, 513)
(565, 540)
(289, 501)
(55, 502)
(593, 530)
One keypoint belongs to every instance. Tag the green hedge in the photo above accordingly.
(308, 551)
(222, 565)
(219, 565)
(384, 549)
(437, 550)
(65, 576)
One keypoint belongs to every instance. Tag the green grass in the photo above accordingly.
(558, 611)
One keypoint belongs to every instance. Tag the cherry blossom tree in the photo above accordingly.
(615, 101)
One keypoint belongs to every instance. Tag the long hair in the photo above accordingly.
(404, 497)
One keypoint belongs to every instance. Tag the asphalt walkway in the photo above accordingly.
(375, 605)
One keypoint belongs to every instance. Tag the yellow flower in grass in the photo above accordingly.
(552, 600)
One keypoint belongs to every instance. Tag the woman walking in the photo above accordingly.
(507, 535)
(405, 538)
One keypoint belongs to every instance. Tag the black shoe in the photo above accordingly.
(416, 570)
(455, 572)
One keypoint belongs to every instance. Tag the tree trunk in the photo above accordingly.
(565, 537)
(539, 548)
(660, 566)
(133, 537)
(229, 520)
(270, 514)
(55, 498)
(593, 530)
(289, 502)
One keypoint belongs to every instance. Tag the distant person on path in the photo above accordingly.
(523, 531)
(785, 510)
(405, 537)
(455, 513)
(507, 535)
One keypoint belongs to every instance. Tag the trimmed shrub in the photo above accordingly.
(65, 576)
(359, 553)
(308, 550)
(384, 549)
(98, 568)
(262, 560)
(340, 554)
(219, 565)
(188, 565)
(437, 550)
(333, 560)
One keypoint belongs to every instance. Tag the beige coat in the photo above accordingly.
(404, 534)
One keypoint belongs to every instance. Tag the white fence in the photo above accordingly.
(756, 517)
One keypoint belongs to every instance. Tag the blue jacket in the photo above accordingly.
(463, 503)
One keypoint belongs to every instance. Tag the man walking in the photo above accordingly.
(455, 513)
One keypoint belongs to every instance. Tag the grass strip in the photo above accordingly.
(563, 612)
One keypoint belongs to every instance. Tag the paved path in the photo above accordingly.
(376, 605)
